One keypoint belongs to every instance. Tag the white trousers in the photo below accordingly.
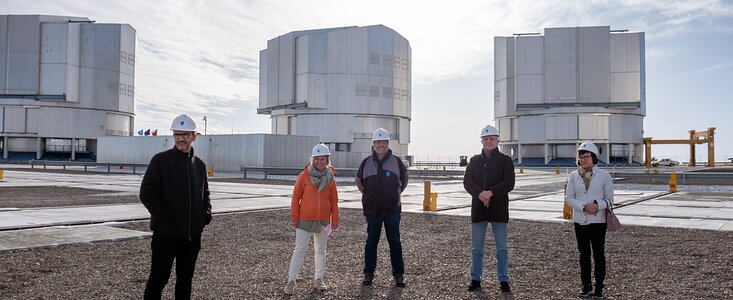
(302, 239)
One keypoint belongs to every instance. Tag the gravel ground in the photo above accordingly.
(53, 196)
(246, 256)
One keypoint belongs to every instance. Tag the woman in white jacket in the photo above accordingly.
(590, 193)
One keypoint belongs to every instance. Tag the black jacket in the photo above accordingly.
(495, 173)
(381, 182)
(176, 193)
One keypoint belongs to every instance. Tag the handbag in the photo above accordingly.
(612, 222)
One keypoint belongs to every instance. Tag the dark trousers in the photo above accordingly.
(374, 231)
(591, 236)
(165, 249)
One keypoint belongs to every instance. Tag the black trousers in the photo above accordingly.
(592, 236)
(165, 249)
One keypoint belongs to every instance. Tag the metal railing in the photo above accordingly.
(287, 171)
(64, 164)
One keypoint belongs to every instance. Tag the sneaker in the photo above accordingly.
(474, 286)
(587, 291)
(368, 278)
(505, 287)
(598, 294)
(399, 280)
(290, 288)
(320, 285)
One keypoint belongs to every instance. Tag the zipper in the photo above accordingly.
(188, 176)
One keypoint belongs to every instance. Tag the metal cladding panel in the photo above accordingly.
(288, 150)
(127, 48)
(503, 57)
(530, 89)
(533, 150)
(2, 119)
(529, 56)
(117, 149)
(127, 100)
(625, 87)
(626, 52)
(316, 91)
(504, 125)
(263, 80)
(500, 98)
(64, 122)
(626, 129)
(3, 52)
(23, 144)
(561, 127)
(273, 72)
(23, 73)
(561, 83)
(330, 128)
(104, 86)
(56, 47)
(531, 129)
(118, 125)
(23, 56)
(316, 62)
(560, 45)
(286, 70)
(515, 128)
(566, 150)
(31, 120)
(593, 127)
(595, 82)
(594, 44)
(364, 126)
(404, 132)
(14, 119)
(100, 46)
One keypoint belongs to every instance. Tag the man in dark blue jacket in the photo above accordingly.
(176, 193)
(381, 178)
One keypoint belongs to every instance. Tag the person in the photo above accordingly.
(313, 213)
(176, 193)
(590, 193)
(489, 178)
(381, 178)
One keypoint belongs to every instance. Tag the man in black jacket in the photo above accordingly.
(489, 178)
(381, 178)
(176, 193)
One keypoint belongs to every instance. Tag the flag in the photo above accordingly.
(155, 132)
(147, 132)
(140, 132)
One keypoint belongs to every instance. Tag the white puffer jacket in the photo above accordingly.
(600, 190)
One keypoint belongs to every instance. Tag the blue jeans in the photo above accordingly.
(374, 231)
(478, 237)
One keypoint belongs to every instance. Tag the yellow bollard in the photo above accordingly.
(656, 171)
(521, 169)
(646, 171)
(433, 202)
(1, 174)
(210, 172)
(673, 182)
(426, 199)
(557, 169)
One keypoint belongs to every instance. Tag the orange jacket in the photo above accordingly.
(309, 204)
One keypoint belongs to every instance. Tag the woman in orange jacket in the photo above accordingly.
(314, 212)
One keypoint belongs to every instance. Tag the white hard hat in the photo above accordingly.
(489, 130)
(589, 146)
(321, 150)
(183, 123)
(380, 135)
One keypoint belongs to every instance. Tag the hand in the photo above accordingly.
(591, 208)
(485, 197)
(295, 224)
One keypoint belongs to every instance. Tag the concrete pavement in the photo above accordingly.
(35, 227)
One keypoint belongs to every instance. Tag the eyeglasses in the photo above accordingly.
(182, 135)
(585, 156)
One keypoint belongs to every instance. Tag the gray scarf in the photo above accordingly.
(320, 178)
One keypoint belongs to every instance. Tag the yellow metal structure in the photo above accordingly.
(557, 169)
(673, 182)
(696, 137)
(1, 174)
(433, 206)
(521, 169)
(426, 197)
(210, 172)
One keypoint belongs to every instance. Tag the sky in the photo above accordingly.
(202, 58)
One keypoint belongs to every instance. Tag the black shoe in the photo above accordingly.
(474, 286)
(399, 280)
(598, 294)
(587, 291)
(368, 278)
(505, 287)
